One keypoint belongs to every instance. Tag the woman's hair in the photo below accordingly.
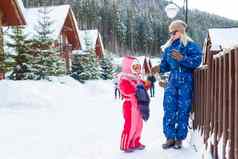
(180, 26)
(185, 39)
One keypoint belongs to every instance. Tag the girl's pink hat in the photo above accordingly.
(127, 63)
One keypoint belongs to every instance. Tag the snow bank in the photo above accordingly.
(29, 94)
(199, 146)
(22, 95)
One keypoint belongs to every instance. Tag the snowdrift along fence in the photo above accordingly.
(215, 104)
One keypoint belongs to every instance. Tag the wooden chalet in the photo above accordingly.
(146, 67)
(219, 39)
(94, 39)
(64, 27)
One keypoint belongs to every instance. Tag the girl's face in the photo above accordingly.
(136, 67)
(174, 35)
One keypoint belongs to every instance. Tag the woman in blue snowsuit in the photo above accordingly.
(180, 57)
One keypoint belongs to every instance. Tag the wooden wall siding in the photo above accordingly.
(70, 31)
(12, 13)
(98, 48)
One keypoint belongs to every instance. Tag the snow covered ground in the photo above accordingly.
(64, 119)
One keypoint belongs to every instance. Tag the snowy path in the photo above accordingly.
(43, 120)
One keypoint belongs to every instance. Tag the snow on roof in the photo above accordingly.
(57, 15)
(155, 61)
(222, 38)
(141, 59)
(21, 5)
(92, 35)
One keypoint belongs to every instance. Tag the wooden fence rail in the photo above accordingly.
(215, 103)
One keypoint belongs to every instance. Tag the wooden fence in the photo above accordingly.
(215, 103)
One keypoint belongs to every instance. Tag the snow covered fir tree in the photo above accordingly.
(2, 64)
(85, 66)
(47, 61)
(106, 67)
(19, 58)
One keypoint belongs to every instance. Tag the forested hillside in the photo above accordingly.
(134, 26)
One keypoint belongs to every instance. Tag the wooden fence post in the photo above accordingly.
(236, 105)
(231, 105)
(225, 99)
(195, 99)
(215, 106)
(206, 105)
(201, 72)
(220, 90)
(199, 101)
(212, 100)
(209, 96)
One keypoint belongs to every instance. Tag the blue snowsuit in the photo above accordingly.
(178, 93)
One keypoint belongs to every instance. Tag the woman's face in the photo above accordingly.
(175, 35)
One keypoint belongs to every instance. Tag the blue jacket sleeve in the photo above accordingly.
(193, 58)
(164, 66)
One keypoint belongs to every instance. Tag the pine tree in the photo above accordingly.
(118, 27)
(148, 35)
(78, 67)
(2, 58)
(22, 59)
(106, 21)
(140, 34)
(87, 41)
(106, 67)
(85, 67)
(92, 14)
(47, 61)
(130, 29)
(93, 66)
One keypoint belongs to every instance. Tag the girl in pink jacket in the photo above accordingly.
(129, 79)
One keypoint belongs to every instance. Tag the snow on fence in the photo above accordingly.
(215, 104)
